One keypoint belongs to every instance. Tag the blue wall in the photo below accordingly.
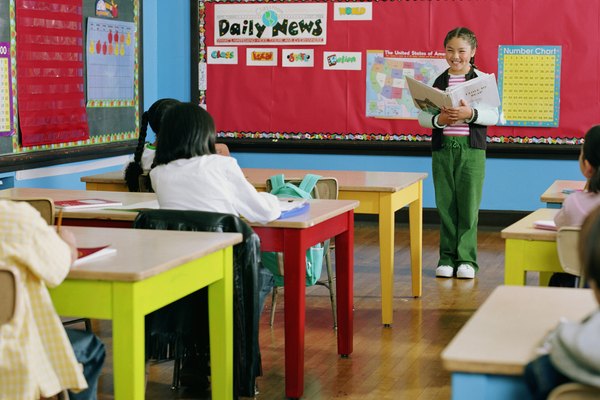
(511, 184)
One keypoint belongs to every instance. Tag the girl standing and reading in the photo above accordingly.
(458, 143)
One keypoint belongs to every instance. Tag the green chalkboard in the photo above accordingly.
(113, 130)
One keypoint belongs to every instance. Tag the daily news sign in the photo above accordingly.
(269, 24)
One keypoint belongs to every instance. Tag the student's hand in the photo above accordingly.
(463, 111)
(69, 238)
(444, 117)
(458, 114)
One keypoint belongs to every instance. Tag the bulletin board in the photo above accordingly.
(312, 108)
(53, 121)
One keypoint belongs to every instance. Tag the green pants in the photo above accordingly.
(458, 172)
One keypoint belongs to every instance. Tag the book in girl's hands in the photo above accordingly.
(291, 207)
(481, 91)
(548, 225)
(86, 203)
(85, 254)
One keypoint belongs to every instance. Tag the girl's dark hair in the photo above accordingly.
(153, 117)
(589, 246)
(591, 152)
(465, 34)
(187, 131)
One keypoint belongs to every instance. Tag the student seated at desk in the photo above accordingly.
(37, 357)
(578, 205)
(190, 175)
(144, 152)
(574, 348)
(143, 157)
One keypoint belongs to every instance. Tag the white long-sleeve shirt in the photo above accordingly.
(212, 183)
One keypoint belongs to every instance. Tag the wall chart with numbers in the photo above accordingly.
(6, 114)
(529, 85)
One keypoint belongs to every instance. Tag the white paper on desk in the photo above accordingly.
(291, 204)
(548, 225)
(107, 251)
(152, 204)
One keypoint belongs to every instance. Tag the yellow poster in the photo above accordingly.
(529, 85)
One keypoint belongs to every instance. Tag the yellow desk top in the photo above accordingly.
(523, 228)
(554, 194)
(347, 180)
(502, 335)
(142, 253)
(360, 181)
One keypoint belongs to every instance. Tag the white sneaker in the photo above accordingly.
(465, 271)
(444, 271)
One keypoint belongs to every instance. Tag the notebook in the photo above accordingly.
(292, 207)
(85, 203)
(86, 254)
(548, 225)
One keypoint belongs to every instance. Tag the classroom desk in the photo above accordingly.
(530, 249)
(487, 356)
(381, 193)
(554, 196)
(150, 270)
(292, 236)
(106, 217)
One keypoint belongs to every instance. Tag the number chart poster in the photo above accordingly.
(110, 63)
(529, 85)
(6, 115)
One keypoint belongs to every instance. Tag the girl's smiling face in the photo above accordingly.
(458, 55)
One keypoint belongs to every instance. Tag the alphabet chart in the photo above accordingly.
(529, 85)
(6, 115)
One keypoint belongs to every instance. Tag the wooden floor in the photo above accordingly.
(401, 362)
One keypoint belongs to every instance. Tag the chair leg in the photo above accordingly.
(88, 324)
(178, 352)
(273, 305)
(331, 288)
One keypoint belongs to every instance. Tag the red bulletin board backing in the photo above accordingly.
(312, 103)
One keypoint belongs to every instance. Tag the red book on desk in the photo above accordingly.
(86, 203)
(85, 254)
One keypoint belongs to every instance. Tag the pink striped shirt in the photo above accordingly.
(460, 129)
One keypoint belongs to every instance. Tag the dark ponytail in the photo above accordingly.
(134, 169)
(591, 152)
(153, 118)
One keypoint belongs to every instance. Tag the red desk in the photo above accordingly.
(293, 237)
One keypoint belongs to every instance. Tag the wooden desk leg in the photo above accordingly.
(344, 268)
(514, 262)
(416, 242)
(386, 257)
(294, 261)
(128, 342)
(220, 313)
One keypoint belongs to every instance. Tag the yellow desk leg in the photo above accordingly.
(416, 242)
(128, 342)
(220, 312)
(386, 257)
(514, 262)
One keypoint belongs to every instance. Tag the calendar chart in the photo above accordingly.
(6, 115)
(529, 85)
(110, 62)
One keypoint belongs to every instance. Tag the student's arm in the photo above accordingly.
(252, 205)
(28, 240)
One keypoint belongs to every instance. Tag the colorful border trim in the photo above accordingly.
(385, 137)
